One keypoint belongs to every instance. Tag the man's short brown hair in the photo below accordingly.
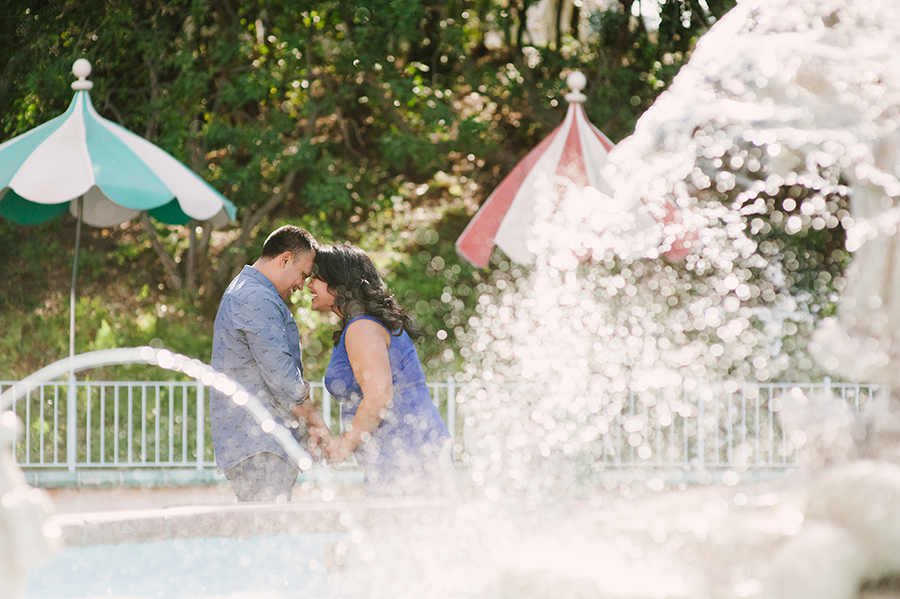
(289, 238)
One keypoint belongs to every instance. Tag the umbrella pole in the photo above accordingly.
(71, 400)
(80, 207)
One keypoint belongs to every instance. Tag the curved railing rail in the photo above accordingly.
(75, 402)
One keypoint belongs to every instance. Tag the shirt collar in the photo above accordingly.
(257, 276)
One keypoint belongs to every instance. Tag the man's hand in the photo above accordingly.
(319, 438)
(319, 435)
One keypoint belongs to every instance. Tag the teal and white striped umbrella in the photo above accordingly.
(100, 172)
(117, 173)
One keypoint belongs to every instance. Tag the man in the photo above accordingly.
(256, 343)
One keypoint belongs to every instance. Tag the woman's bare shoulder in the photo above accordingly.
(365, 329)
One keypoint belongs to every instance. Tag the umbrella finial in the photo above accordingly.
(576, 82)
(81, 69)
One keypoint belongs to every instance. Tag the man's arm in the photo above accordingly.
(263, 324)
(263, 327)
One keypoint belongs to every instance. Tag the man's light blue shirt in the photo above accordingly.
(256, 343)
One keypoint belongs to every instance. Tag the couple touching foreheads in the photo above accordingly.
(389, 422)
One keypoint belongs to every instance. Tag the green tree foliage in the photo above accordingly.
(384, 123)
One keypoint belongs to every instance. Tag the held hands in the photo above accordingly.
(319, 435)
(319, 439)
(338, 450)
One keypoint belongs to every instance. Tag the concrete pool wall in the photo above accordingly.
(233, 520)
(227, 550)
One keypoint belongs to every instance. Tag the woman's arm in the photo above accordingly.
(367, 344)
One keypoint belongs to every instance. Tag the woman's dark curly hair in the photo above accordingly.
(358, 289)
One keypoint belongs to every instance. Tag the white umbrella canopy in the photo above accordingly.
(570, 159)
(82, 155)
(101, 173)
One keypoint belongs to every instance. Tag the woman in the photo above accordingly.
(390, 423)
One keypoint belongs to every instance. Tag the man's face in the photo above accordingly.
(296, 271)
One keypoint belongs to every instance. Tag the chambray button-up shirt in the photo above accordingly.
(256, 343)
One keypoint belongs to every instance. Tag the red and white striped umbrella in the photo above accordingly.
(572, 155)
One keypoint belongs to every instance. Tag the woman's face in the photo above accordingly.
(322, 300)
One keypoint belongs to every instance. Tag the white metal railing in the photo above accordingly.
(139, 424)
(165, 425)
(719, 427)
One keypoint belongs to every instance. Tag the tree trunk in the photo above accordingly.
(557, 22)
(173, 276)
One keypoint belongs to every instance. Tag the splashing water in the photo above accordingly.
(792, 105)
(785, 117)
(784, 123)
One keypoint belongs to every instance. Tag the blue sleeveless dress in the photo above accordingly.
(404, 454)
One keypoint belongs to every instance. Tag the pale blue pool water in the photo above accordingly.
(262, 566)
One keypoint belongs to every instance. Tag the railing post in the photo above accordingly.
(701, 432)
(451, 407)
(326, 405)
(71, 425)
(201, 424)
